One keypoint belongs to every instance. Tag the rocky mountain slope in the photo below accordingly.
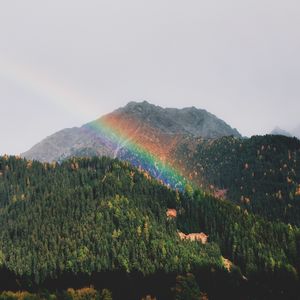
(151, 127)
(180, 146)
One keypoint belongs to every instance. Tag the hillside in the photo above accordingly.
(91, 217)
(292, 133)
(154, 128)
(180, 146)
(261, 174)
(278, 131)
(296, 132)
(100, 221)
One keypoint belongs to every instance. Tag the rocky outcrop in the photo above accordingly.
(198, 237)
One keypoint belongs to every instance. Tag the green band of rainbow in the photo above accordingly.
(138, 155)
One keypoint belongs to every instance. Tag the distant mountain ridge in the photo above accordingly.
(296, 132)
(142, 122)
(278, 131)
(293, 133)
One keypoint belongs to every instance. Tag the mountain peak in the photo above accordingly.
(134, 107)
(189, 120)
(279, 131)
(143, 122)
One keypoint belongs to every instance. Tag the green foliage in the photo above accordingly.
(85, 216)
(18, 296)
(186, 288)
(2, 258)
(189, 190)
(106, 295)
(90, 216)
(252, 243)
(88, 293)
(83, 294)
(261, 174)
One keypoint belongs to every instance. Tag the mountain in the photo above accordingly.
(278, 131)
(191, 121)
(104, 223)
(152, 127)
(97, 220)
(260, 174)
(296, 132)
(293, 133)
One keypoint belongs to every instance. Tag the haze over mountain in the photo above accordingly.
(278, 131)
(81, 61)
(296, 132)
(143, 123)
(292, 133)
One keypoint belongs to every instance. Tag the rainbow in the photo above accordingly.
(71, 101)
(137, 154)
(60, 95)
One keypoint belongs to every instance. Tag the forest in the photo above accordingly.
(261, 174)
(98, 227)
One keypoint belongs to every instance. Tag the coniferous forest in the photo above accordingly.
(260, 174)
(150, 150)
(96, 228)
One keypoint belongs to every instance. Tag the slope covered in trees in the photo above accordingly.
(267, 252)
(261, 174)
(100, 221)
(89, 217)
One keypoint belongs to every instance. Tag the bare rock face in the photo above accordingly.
(67, 143)
(193, 121)
(157, 129)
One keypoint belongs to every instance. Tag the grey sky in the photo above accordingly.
(64, 63)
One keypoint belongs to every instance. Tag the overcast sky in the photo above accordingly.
(64, 63)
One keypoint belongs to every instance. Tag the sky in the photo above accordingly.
(64, 63)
